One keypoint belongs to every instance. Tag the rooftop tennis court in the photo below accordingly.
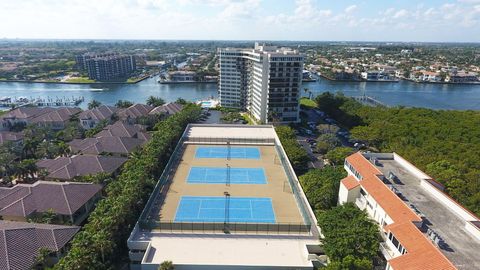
(225, 209)
(227, 175)
(232, 152)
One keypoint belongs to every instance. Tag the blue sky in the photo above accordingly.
(367, 20)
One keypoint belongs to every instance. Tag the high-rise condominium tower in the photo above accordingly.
(264, 81)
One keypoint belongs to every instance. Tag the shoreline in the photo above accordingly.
(79, 83)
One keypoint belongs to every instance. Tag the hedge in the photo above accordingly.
(101, 244)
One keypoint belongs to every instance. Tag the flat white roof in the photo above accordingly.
(231, 131)
(229, 250)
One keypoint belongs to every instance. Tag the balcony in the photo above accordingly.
(361, 202)
(386, 251)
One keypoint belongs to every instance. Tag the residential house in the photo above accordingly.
(21, 116)
(71, 202)
(90, 118)
(14, 137)
(68, 168)
(121, 129)
(132, 113)
(20, 243)
(118, 146)
(462, 77)
(56, 119)
(167, 109)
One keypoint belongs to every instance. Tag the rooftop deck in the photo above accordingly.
(461, 248)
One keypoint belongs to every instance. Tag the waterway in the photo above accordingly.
(436, 96)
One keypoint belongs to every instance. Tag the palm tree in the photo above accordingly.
(123, 104)
(94, 104)
(155, 101)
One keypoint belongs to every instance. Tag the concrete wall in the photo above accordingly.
(226, 267)
(474, 230)
(448, 202)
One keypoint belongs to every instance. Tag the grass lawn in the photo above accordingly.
(311, 104)
(80, 80)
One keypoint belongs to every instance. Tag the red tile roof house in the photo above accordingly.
(167, 109)
(21, 116)
(71, 202)
(116, 146)
(90, 118)
(132, 113)
(20, 243)
(14, 137)
(68, 168)
(56, 118)
(121, 129)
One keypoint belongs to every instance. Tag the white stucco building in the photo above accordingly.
(265, 81)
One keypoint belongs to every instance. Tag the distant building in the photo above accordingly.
(20, 243)
(81, 60)
(111, 67)
(71, 202)
(90, 118)
(377, 75)
(462, 77)
(265, 81)
(421, 226)
(181, 76)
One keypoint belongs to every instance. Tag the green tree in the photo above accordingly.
(348, 231)
(123, 104)
(350, 263)
(296, 154)
(321, 186)
(155, 101)
(181, 101)
(94, 104)
(337, 155)
(166, 265)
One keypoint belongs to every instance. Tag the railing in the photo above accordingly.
(167, 173)
(224, 140)
(294, 185)
(210, 227)
(361, 202)
(386, 251)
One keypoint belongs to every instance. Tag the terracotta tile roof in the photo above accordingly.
(421, 253)
(113, 145)
(121, 129)
(100, 113)
(169, 108)
(350, 182)
(21, 241)
(26, 112)
(57, 115)
(391, 203)
(63, 198)
(134, 111)
(66, 168)
(6, 136)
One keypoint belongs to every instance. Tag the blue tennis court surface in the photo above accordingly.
(212, 209)
(210, 175)
(224, 152)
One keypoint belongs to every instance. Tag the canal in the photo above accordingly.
(436, 96)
